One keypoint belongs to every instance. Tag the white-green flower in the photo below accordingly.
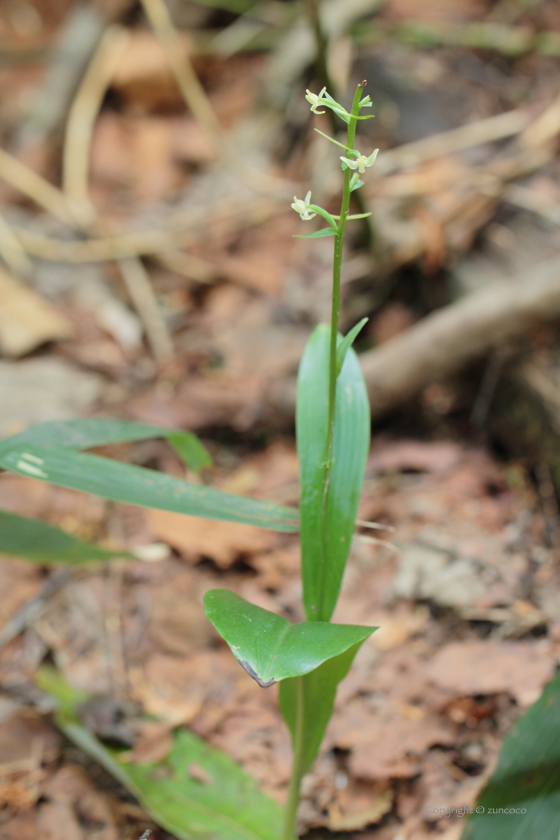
(315, 100)
(361, 162)
(301, 206)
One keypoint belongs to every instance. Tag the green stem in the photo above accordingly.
(290, 814)
(338, 240)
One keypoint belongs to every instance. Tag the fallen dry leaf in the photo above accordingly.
(487, 667)
(223, 542)
(26, 320)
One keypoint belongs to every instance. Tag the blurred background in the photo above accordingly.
(149, 153)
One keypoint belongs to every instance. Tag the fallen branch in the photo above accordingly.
(445, 341)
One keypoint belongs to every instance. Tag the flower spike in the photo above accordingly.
(302, 206)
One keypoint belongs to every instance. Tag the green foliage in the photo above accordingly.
(96, 431)
(35, 540)
(228, 806)
(268, 646)
(327, 526)
(522, 798)
(146, 488)
(307, 702)
(345, 343)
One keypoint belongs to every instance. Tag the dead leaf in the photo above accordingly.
(357, 820)
(154, 742)
(487, 667)
(26, 320)
(224, 542)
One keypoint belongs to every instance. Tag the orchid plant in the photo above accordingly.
(308, 659)
(333, 426)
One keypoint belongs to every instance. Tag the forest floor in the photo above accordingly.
(183, 299)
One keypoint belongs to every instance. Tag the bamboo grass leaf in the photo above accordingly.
(268, 646)
(521, 801)
(228, 806)
(97, 431)
(146, 488)
(41, 543)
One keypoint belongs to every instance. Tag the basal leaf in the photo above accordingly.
(522, 799)
(225, 806)
(146, 488)
(268, 646)
(310, 699)
(324, 554)
(35, 540)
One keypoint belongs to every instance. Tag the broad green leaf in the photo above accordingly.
(42, 543)
(146, 488)
(95, 431)
(347, 342)
(522, 799)
(268, 646)
(310, 700)
(324, 554)
(228, 806)
(318, 234)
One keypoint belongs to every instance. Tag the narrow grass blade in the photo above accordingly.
(146, 488)
(95, 431)
(35, 540)
(521, 801)
(346, 343)
(268, 646)
(227, 805)
(324, 555)
(317, 699)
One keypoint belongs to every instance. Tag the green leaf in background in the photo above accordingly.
(146, 488)
(94, 431)
(346, 343)
(35, 540)
(268, 646)
(228, 806)
(522, 799)
(308, 701)
(323, 561)
(191, 451)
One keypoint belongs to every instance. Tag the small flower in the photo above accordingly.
(301, 206)
(315, 100)
(361, 163)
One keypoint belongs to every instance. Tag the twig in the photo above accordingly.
(83, 114)
(38, 189)
(139, 287)
(77, 42)
(446, 340)
(79, 130)
(473, 134)
(12, 252)
(35, 607)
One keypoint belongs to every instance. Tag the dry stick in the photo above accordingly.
(445, 341)
(19, 176)
(35, 607)
(458, 139)
(77, 147)
(197, 101)
(12, 252)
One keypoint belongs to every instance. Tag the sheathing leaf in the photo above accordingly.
(324, 552)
